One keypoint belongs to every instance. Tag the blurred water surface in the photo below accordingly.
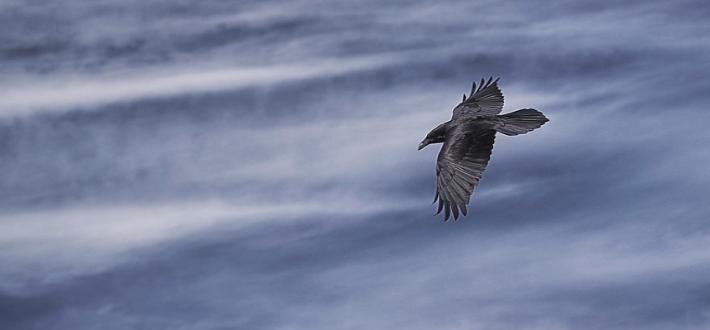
(253, 165)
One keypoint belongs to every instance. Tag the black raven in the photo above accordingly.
(468, 141)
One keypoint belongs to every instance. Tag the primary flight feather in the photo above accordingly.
(468, 142)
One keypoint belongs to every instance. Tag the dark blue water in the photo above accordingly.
(253, 165)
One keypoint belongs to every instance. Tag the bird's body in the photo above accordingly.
(468, 142)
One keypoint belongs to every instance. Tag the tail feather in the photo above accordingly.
(520, 122)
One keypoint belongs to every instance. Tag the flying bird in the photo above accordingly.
(468, 142)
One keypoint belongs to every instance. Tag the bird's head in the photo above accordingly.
(437, 135)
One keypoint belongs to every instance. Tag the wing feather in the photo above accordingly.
(460, 165)
(486, 99)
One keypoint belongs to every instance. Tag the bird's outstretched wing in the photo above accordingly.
(461, 162)
(485, 100)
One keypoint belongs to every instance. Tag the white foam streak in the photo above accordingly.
(57, 94)
(52, 245)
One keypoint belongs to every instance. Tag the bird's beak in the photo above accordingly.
(423, 144)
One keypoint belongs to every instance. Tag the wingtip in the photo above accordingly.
(475, 88)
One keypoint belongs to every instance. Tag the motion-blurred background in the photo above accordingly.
(253, 165)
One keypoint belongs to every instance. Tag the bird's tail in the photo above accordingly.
(520, 122)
